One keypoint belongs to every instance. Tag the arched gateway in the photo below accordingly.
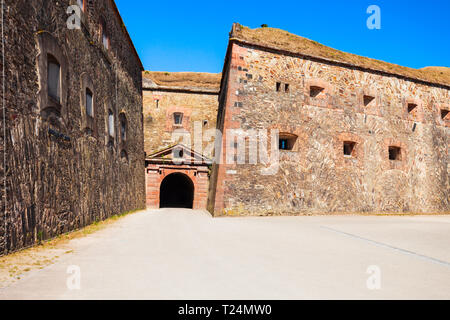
(176, 191)
(172, 183)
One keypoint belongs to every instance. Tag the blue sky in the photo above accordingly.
(193, 35)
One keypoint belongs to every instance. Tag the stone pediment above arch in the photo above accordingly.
(177, 154)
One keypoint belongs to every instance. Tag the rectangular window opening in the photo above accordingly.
(178, 118)
(287, 142)
(445, 114)
(105, 41)
(123, 127)
(368, 100)
(105, 36)
(412, 108)
(349, 148)
(89, 103)
(315, 91)
(395, 153)
(123, 131)
(286, 87)
(54, 78)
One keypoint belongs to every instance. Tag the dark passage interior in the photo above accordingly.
(177, 191)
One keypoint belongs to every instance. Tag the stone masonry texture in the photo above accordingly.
(315, 176)
(62, 170)
(195, 95)
(198, 106)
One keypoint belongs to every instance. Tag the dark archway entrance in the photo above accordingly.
(176, 191)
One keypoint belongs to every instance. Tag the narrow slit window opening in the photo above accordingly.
(278, 87)
(123, 127)
(105, 36)
(124, 155)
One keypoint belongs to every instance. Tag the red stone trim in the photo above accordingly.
(237, 66)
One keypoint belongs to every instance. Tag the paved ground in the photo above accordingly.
(182, 254)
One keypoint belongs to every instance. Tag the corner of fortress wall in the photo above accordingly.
(316, 176)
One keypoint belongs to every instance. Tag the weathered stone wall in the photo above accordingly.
(315, 176)
(198, 102)
(60, 175)
(196, 107)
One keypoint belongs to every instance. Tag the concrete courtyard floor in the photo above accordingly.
(183, 254)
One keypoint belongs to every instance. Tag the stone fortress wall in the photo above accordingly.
(194, 95)
(361, 139)
(65, 169)
(358, 135)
